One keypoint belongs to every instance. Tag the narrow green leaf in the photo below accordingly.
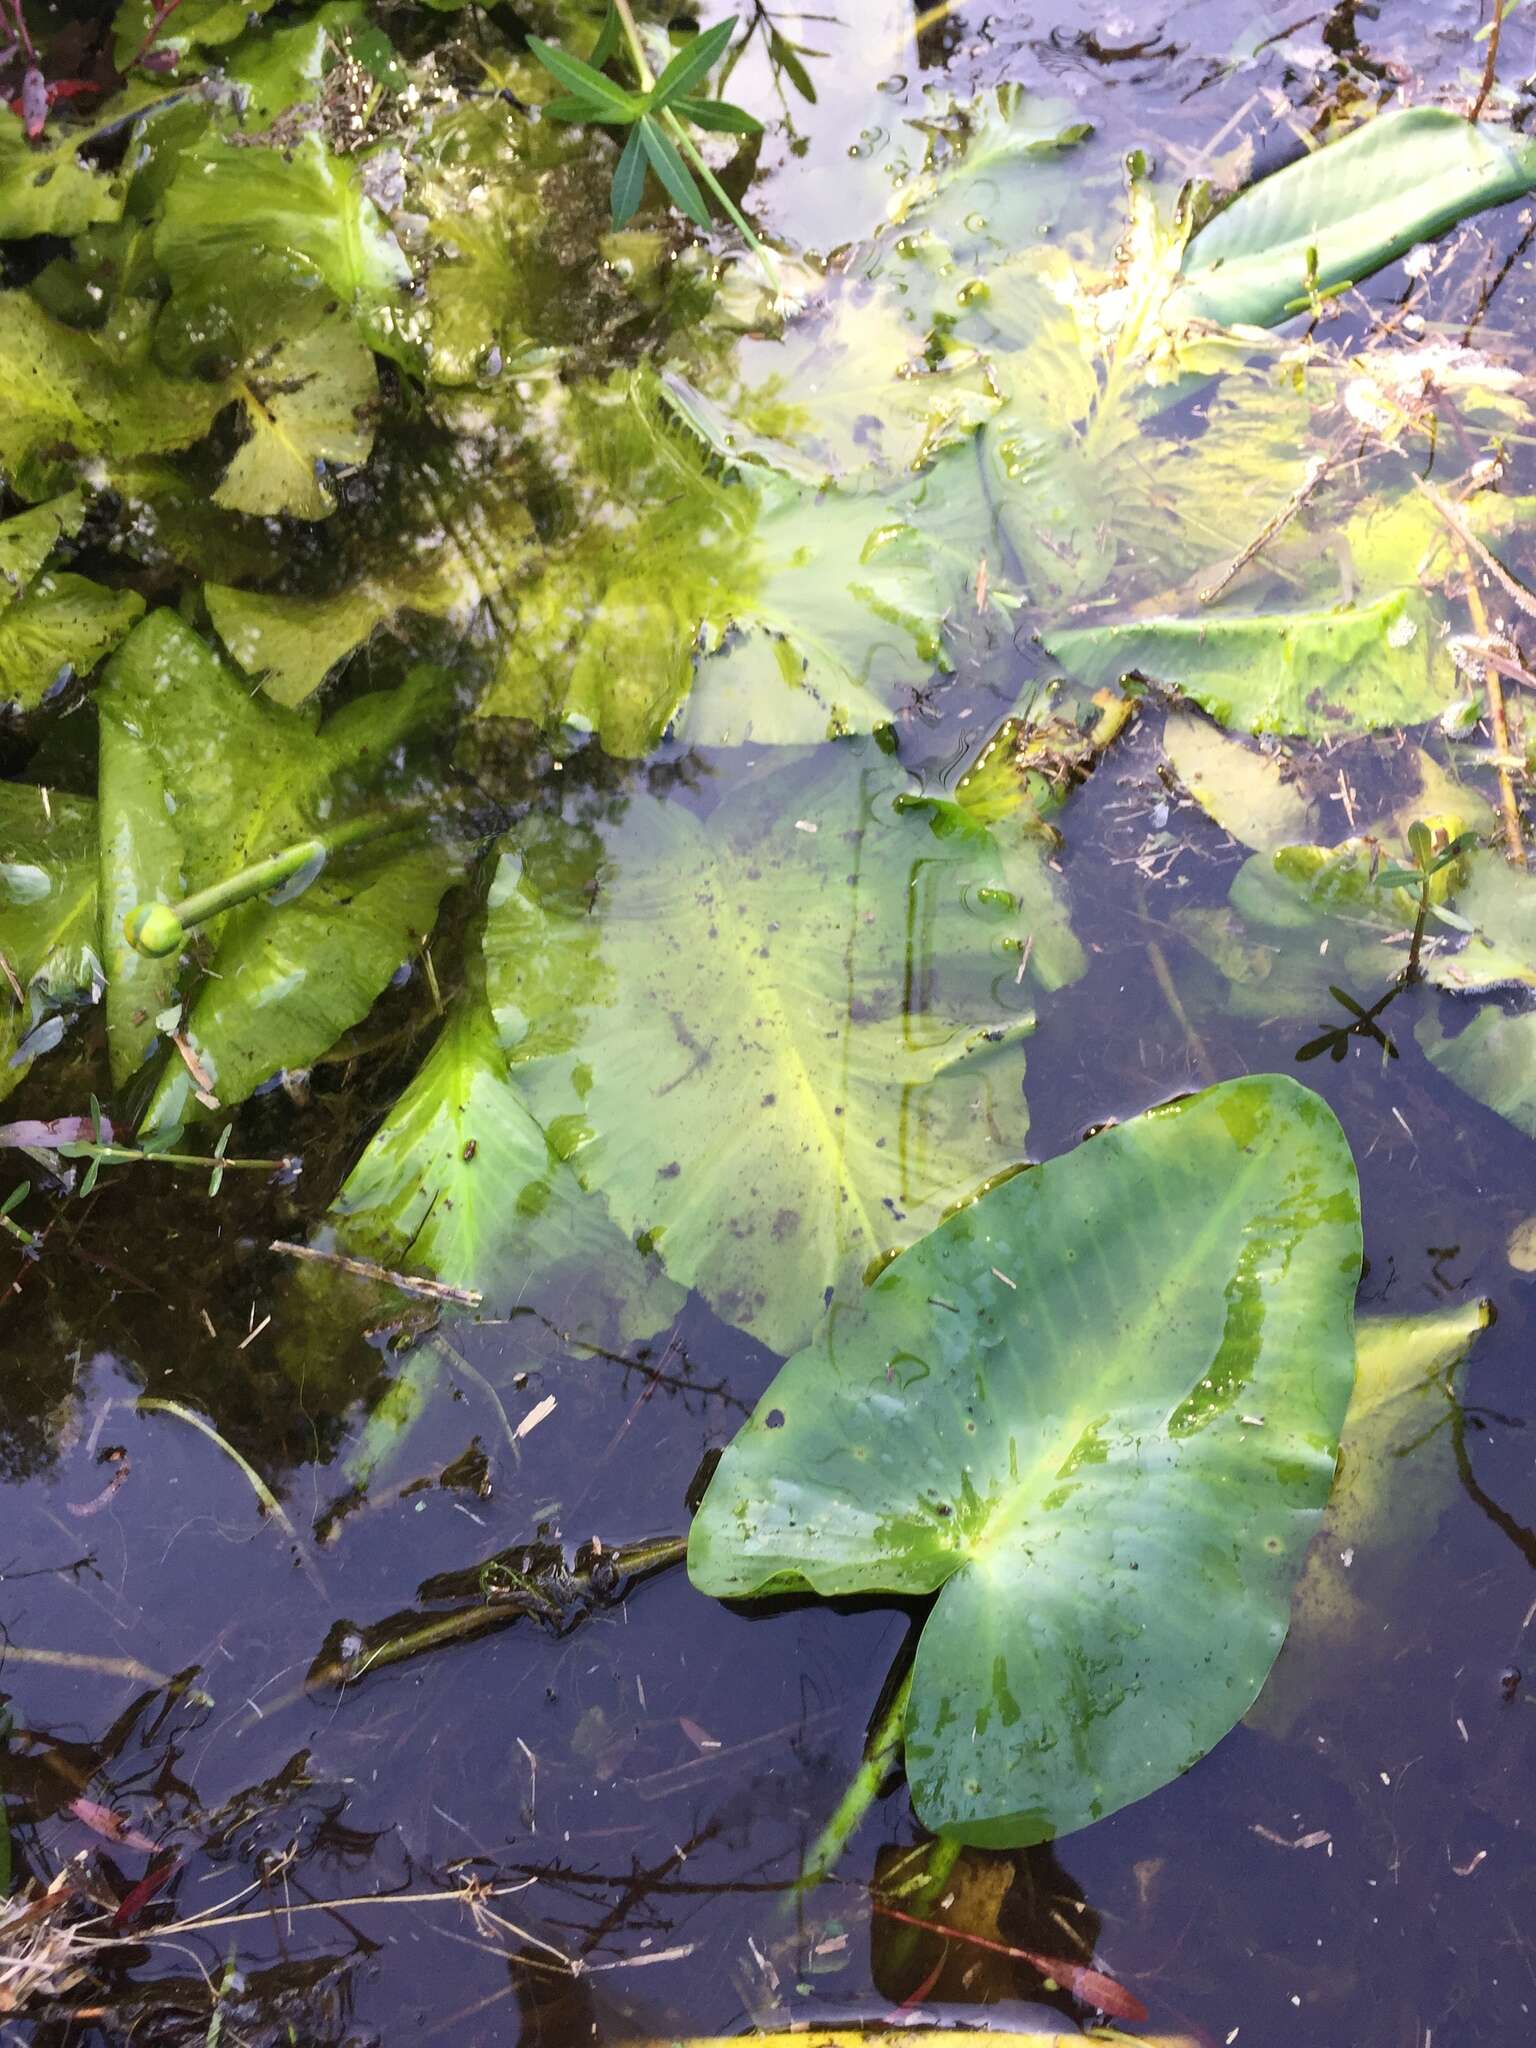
(629, 179)
(672, 171)
(692, 64)
(582, 80)
(718, 115)
(581, 106)
(787, 57)
(607, 40)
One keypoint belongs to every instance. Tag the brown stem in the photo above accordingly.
(1491, 62)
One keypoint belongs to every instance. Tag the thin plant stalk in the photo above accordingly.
(882, 1753)
(155, 1404)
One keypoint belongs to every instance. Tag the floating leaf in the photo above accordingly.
(45, 188)
(192, 25)
(61, 626)
(66, 394)
(228, 208)
(460, 1183)
(1112, 1466)
(197, 780)
(1402, 177)
(781, 1039)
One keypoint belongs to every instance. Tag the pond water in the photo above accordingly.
(578, 1812)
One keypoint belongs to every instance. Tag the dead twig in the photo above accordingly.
(365, 1269)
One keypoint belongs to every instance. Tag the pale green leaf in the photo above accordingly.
(1314, 674)
(781, 1039)
(1112, 1467)
(1248, 792)
(1397, 1475)
(459, 1183)
(1403, 177)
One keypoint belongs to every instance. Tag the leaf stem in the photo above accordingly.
(881, 1754)
(156, 929)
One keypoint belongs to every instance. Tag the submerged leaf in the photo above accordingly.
(1112, 1466)
(1397, 1474)
(838, 960)
(199, 779)
(460, 1183)
(1247, 792)
(1314, 674)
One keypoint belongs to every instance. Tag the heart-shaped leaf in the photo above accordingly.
(781, 1039)
(1099, 1408)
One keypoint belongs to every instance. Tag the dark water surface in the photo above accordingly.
(655, 1773)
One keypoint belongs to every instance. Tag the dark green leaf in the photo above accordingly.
(717, 115)
(629, 179)
(787, 56)
(587, 83)
(608, 39)
(571, 106)
(691, 64)
(673, 172)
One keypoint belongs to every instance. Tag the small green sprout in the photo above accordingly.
(1431, 853)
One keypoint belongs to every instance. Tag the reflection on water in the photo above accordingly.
(595, 1786)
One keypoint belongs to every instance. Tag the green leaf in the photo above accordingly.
(782, 1039)
(1402, 177)
(718, 116)
(45, 189)
(61, 626)
(199, 779)
(691, 64)
(587, 83)
(228, 209)
(1314, 674)
(1492, 1059)
(194, 24)
(572, 106)
(672, 171)
(65, 395)
(29, 539)
(1249, 793)
(47, 912)
(845, 391)
(291, 641)
(1112, 1467)
(629, 180)
(1397, 1474)
(461, 1184)
(308, 392)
